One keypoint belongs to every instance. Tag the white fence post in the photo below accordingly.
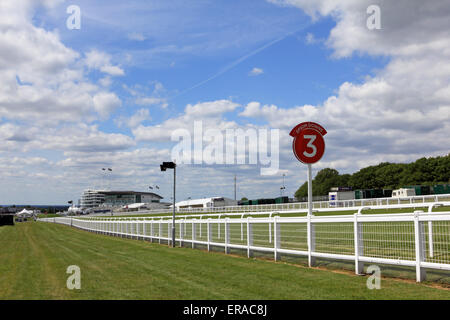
(249, 238)
(242, 228)
(209, 233)
(420, 248)
(151, 231)
(218, 226)
(270, 228)
(169, 232)
(358, 242)
(310, 229)
(430, 229)
(144, 229)
(194, 227)
(276, 238)
(181, 233)
(227, 236)
(160, 231)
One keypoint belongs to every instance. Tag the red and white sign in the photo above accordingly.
(308, 144)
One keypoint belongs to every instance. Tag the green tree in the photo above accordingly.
(424, 171)
(323, 181)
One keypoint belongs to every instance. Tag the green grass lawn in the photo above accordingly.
(35, 255)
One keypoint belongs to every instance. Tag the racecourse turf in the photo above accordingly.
(34, 258)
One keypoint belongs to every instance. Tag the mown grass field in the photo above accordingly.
(34, 258)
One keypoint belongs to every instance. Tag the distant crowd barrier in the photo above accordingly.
(420, 239)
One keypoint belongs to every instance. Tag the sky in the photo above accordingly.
(113, 91)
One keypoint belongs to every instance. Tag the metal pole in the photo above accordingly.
(173, 216)
(310, 226)
(309, 190)
(235, 187)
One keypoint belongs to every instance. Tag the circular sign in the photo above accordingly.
(308, 144)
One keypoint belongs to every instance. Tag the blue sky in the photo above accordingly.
(111, 93)
(238, 36)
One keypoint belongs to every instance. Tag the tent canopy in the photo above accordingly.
(25, 211)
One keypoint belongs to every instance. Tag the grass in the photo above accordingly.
(35, 256)
(48, 215)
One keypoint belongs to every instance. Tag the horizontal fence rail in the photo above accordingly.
(419, 239)
(430, 206)
(331, 204)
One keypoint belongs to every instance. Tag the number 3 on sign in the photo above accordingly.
(310, 145)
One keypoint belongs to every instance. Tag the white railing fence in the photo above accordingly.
(302, 205)
(419, 239)
(298, 212)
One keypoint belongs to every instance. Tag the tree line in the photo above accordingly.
(386, 175)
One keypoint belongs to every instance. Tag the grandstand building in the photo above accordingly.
(103, 198)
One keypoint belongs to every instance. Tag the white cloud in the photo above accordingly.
(149, 101)
(105, 81)
(408, 27)
(105, 103)
(136, 119)
(211, 112)
(148, 95)
(256, 72)
(136, 36)
(102, 61)
(311, 39)
(43, 81)
(403, 112)
(80, 137)
(112, 70)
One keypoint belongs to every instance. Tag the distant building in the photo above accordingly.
(403, 192)
(91, 199)
(212, 202)
(97, 198)
(340, 193)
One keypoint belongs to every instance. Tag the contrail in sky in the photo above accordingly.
(238, 61)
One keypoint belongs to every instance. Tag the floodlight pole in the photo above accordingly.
(164, 166)
(234, 187)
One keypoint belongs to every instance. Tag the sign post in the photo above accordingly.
(309, 189)
(309, 147)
